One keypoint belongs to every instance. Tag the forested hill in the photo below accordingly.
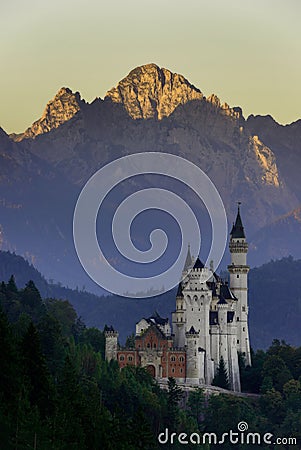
(58, 392)
(274, 300)
(121, 312)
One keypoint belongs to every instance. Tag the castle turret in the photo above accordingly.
(179, 319)
(194, 358)
(238, 270)
(111, 344)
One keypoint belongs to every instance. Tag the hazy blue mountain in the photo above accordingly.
(274, 301)
(44, 169)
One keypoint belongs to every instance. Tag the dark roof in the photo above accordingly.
(238, 229)
(179, 291)
(212, 287)
(226, 293)
(192, 331)
(155, 327)
(188, 262)
(198, 264)
(155, 318)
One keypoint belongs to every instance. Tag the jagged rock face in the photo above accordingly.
(58, 110)
(285, 140)
(150, 91)
(75, 139)
(205, 131)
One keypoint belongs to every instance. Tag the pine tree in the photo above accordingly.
(173, 398)
(36, 375)
(221, 378)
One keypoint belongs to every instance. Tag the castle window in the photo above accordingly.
(191, 309)
(237, 276)
(121, 358)
(173, 370)
(237, 319)
(181, 370)
(243, 329)
(155, 345)
(243, 308)
(181, 358)
(130, 358)
(238, 341)
(148, 345)
(172, 358)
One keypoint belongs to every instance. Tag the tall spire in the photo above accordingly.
(188, 262)
(238, 229)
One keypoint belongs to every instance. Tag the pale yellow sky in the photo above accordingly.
(245, 51)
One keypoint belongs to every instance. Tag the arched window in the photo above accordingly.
(130, 358)
(172, 358)
(121, 358)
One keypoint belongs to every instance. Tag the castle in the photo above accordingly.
(210, 322)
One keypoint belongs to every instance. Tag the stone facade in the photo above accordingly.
(210, 322)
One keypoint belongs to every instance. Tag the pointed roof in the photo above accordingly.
(192, 331)
(188, 262)
(238, 228)
(225, 292)
(198, 264)
(180, 291)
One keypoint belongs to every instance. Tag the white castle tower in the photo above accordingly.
(238, 270)
(191, 322)
(111, 344)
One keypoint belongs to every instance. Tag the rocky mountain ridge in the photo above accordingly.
(285, 140)
(60, 109)
(153, 92)
(149, 110)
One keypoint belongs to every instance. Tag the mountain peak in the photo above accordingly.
(61, 108)
(150, 91)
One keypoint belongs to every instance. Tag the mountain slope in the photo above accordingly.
(60, 109)
(285, 140)
(285, 232)
(205, 131)
(151, 109)
(150, 91)
(274, 301)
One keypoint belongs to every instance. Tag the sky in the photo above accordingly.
(245, 51)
